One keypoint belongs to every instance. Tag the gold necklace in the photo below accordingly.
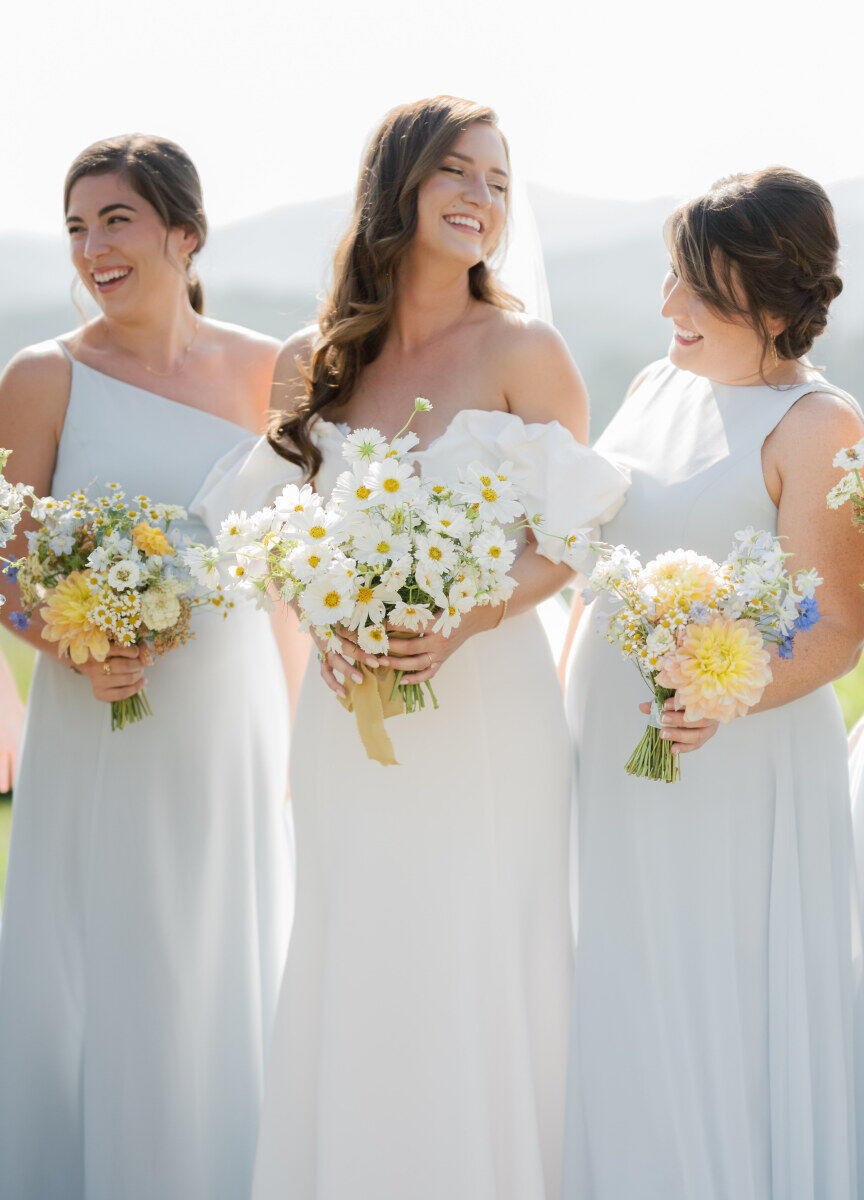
(174, 370)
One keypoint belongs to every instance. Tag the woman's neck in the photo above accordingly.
(428, 302)
(158, 338)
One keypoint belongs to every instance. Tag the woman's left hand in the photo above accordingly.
(685, 735)
(421, 656)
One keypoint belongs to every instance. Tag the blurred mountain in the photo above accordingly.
(605, 261)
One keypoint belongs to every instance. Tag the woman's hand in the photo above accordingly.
(340, 654)
(120, 676)
(421, 656)
(685, 735)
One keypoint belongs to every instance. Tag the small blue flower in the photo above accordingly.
(19, 620)
(12, 572)
(784, 649)
(808, 613)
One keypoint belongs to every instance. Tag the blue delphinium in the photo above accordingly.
(20, 620)
(12, 572)
(808, 613)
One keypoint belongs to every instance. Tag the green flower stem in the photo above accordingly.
(133, 708)
(653, 757)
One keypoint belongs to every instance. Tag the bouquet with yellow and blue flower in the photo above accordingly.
(699, 630)
(103, 571)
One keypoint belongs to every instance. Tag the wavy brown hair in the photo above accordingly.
(356, 315)
(163, 174)
(759, 245)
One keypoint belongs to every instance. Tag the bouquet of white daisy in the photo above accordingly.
(103, 572)
(390, 554)
(698, 630)
(13, 505)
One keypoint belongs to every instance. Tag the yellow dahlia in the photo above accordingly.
(150, 540)
(719, 670)
(678, 579)
(67, 620)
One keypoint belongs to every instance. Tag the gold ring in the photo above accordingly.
(106, 668)
(430, 663)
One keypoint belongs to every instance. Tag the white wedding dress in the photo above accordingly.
(148, 893)
(420, 1041)
(718, 985)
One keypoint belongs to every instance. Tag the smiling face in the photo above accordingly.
(126, 258)
(462, 205)
(725, 349)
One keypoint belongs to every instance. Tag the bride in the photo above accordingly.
(421, 1034)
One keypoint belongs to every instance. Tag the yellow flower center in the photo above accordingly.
(299, 508)
(391, 485)
(451, 611)
(434, 552)
(383, 547)
(317, 531)
(489, 495)
(332, 599)
(494, 551)
(362, 492)
(485, 480)
(313, 560)
(365, 595)
(375, 635)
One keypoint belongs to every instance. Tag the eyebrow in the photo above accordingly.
(102, 211)
(467, 158)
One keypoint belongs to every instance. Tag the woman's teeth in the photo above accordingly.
(103, 277)
(468, 222)
(687, 335)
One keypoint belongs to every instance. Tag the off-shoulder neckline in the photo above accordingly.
(343, 429)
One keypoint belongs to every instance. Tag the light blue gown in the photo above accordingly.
(147, 898)
(716, 1008)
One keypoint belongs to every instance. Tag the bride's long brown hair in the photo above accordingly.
(355, 316)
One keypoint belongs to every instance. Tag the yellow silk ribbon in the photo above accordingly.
(371, 704)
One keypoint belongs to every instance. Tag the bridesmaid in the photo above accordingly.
(147, 898)
(718, 945)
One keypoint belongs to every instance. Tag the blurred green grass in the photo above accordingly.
(850, 692)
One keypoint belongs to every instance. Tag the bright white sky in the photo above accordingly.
(274, 100)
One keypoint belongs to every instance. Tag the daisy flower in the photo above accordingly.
(851, 458)
(373, 639)
(329, 598)
(393, 482)
(493, 494)
(364, 446)
(434, 552)
(124, 574)
(407, 615)
(353, 491)
(493, 551)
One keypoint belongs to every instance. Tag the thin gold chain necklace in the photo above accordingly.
(174, 370)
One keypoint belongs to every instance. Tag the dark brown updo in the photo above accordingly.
(758, 245)
(161, 173)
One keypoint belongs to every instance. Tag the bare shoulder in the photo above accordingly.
(34, 387)
(252, 351)
(293, 359)
(819, 421)
(540, 380)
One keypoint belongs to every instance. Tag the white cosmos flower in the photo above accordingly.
(124, 574)
(377, 543)
(431, 583)
(434, 552)
(498, 587)
(410, 616)
(329, 597)
(308, 558)
(397, 573)
(373, 639)
(99, 559)
(370, 604)
(493, 550)
(316, 525)
(448, 618)
(393, 482)
(492, 492)
(252, 559)
(202, 564)
(577, 548)
(294, 499)
(402, 446)
(353, 490)
(235, 530)
(851, 458)
(444, 518)
(364, 446)
(807, 582)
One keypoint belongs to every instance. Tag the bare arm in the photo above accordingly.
(797, 460)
